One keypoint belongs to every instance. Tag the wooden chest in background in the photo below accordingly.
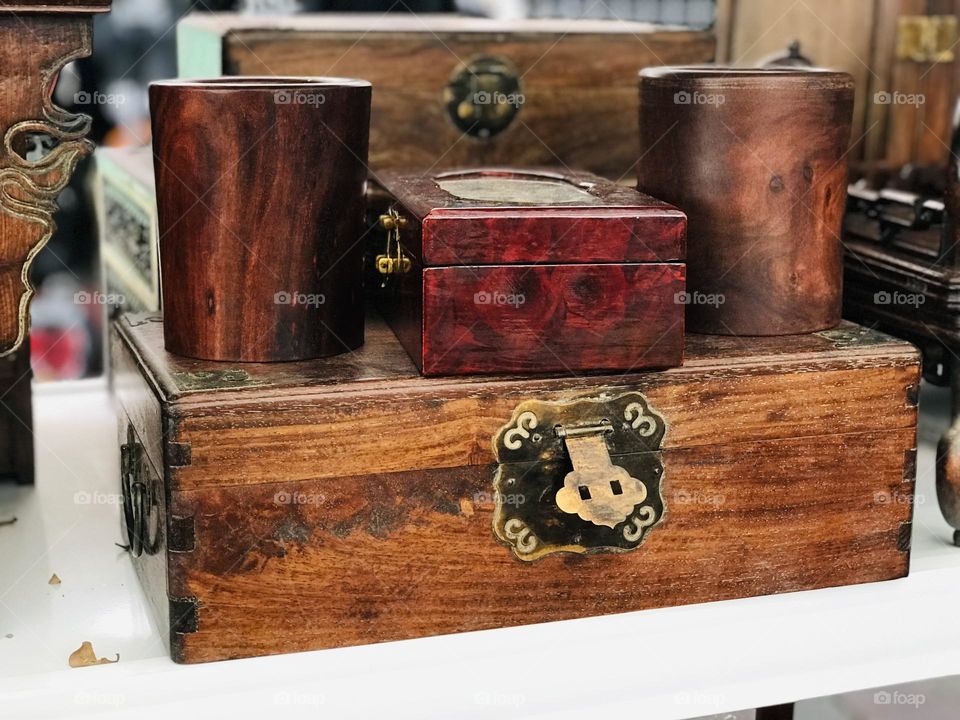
(297, 506)
(453, 91)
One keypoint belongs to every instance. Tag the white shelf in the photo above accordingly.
(672, 663)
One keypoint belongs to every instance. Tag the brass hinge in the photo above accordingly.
(393, 261)
(926, 38)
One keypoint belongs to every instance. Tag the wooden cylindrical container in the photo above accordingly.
(757, 160)
(260, 194)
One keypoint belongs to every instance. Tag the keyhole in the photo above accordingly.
(615, 486)
(584, 492)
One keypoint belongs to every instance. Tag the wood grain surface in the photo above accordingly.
(577, 79)
(307, 512)
(552, 318)
(612, 223)
(281, 567)
(757, 160)
(260, 215)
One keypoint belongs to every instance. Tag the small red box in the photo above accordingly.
(529, 271)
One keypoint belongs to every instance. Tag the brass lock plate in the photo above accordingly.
(583, 476)
(484, 96)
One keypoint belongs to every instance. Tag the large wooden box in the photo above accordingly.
(452, 91)
(504, 270)
(298, 506)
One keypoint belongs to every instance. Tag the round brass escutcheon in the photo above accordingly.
(484, 96)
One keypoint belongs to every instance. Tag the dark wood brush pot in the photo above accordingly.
(756, 158)
(260, 195)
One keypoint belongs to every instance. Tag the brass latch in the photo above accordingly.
(926, 38)
(581, 476)
(393, 261)
(596, 490)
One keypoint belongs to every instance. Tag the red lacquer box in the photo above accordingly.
(529, 271)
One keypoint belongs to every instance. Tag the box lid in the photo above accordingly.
(494, 216)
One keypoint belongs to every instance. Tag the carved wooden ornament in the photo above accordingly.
(36, 42)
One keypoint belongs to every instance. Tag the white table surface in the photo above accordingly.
(671, 663)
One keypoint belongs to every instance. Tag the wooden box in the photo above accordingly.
(451, 91)
(298, 506)
(529, 271)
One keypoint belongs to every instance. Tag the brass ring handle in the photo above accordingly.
(137, 499)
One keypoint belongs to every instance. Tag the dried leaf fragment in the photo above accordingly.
(84, 656)
(54, 580)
